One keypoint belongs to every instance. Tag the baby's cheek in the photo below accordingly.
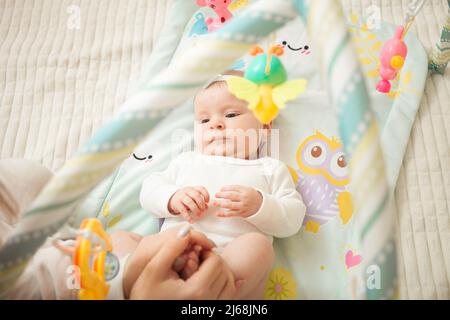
(198, 136)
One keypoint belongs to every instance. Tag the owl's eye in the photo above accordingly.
(316, 151)
(315, 154)
(338, 165)
(341, 162)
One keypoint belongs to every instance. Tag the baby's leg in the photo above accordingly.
(124, 242)
(250, 257)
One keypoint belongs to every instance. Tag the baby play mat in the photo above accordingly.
(346, 248)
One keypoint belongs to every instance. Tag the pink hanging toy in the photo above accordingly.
(392, 58)
(221, 8)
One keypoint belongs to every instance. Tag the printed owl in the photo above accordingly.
(321, 179)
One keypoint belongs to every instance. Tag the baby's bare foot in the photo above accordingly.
(180, 263)
(192, 265)
(188, 262)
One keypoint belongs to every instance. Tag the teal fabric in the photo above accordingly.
(311, 264)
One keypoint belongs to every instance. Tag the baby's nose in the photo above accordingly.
(216, 124)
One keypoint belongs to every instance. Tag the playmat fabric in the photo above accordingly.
(46, 118)
(319, 261)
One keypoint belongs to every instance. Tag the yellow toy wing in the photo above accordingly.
(288, 91)
(245, 90)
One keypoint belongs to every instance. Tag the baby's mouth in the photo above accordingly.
(215, 136)
(218, 139)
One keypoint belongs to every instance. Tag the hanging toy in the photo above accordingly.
(93, 258)
(392, 58)
(264, 85)
(394, 51)
(199, 26)
(221, 9)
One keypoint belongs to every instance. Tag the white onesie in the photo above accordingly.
(282, 209)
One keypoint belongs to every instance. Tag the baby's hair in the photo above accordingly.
(220, 82)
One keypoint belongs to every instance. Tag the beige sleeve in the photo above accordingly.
(45, 276)
(49, 275)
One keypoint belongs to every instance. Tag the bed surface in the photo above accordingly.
(423, 190)
(58, 85)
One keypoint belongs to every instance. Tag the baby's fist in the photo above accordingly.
(189, 202)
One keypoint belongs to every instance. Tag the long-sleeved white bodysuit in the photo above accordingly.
(281, 212)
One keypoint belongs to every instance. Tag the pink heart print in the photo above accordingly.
(352, 260)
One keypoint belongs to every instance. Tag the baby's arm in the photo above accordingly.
(157, 189)
(161, 196)
(282, 211)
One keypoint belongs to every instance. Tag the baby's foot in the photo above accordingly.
(187, 263)
(192, 263)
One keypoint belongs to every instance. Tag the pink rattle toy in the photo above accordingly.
(393, 53)
(221, 9)
(392, 58)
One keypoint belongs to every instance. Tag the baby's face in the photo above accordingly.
(224, 126)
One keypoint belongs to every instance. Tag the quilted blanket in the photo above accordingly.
(65, 66)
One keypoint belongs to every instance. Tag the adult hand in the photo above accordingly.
(149, 274)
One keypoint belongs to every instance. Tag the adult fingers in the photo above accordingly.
(164, 259)
(208, 271)
(218, 286)
(198, 238)
(148, 285)
(231, 289)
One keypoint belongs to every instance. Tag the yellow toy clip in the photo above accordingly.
(92, 249)
(93, 243)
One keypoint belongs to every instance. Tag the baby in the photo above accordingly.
(228, 189)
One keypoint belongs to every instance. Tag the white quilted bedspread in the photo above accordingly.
(59, 84)
(423, 189)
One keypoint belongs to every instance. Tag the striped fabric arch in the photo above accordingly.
(105, 151)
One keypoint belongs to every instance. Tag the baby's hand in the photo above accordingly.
(189, 201)
(240, 201)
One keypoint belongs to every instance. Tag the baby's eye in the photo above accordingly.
(232, 114)
(204, 120)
